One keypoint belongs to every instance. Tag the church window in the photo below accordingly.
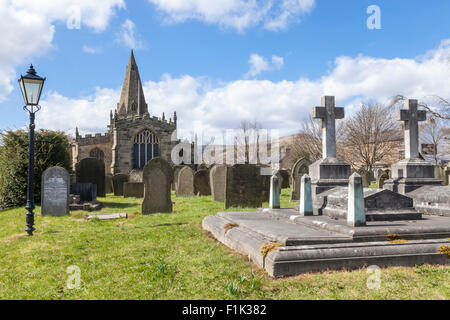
(146, 147)
(97, 154)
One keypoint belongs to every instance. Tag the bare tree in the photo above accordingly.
(437, 106)
(368, 135)
(433, 133)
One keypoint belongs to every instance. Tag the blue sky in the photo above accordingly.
(194, 53)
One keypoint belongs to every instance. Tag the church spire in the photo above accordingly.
(132, 100)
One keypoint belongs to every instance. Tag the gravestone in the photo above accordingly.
(285, 175)
(244, 186)
(135, 176)
(118, 182)
(133, 190)
(381, 179)
(201, 183)
(366, 177)
(86, 191)
(185, 184)
(328, 172)
(55, 192)
(300, 168)
(158, 178)
(305, 206)
(108, 183)
(412, 172)
(91, 170)
(218, 176)
(176, 172)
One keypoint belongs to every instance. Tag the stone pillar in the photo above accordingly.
(306, 207)
(274, 201)
(356, 215)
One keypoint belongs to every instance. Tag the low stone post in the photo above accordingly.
(356, 215)
(306, 208)
(274, 201)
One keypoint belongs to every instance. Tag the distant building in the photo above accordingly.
(133, 137)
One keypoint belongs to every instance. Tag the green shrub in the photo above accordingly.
(51, 149)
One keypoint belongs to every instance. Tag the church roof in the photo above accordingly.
(132, 100)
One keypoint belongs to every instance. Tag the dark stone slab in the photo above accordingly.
(118, 182)
(158, 179)
(55, 192)
(244, 186)
(380, 205)
(201, 183)
(133, 190)
(327, 174)
(91, 170)
(86, 191)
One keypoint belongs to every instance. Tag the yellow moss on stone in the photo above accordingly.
(393, 237)
(269, 247)
(399, 241)
(445, 250)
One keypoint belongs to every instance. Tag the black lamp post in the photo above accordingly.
(31, 85)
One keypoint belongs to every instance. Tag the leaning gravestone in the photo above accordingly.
(217, 178)
(244, 186)
(185, 184)
(158, 178)
(55, 192)
(118, 182)
(136, 176)
(91, 170)
(201, 183)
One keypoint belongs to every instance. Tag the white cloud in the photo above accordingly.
(260, 64)
(277, 105)
(91, 50)
(236, 14)
(128, 35)
(27, 29)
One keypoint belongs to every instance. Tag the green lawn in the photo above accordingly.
(168, 256)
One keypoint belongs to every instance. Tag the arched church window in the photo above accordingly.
(98, 154)
(146, 147)
(134, 107)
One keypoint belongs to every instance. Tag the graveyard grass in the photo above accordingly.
(169, 256)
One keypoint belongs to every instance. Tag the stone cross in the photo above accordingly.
(411, 116)
(328, 113)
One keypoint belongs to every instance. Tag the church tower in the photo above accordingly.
(132, 100)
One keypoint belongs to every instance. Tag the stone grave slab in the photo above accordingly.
(108, 216)
(91, 170)
(432, 200)
(133, 190)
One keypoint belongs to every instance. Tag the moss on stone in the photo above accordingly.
(269, 247)
(445, 250)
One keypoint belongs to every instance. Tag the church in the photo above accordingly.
(133, 137)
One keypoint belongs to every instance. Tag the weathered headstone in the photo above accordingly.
(300, 168)
(118, 182)
(176, 172)
(381, 179)
(356, 215)
(306, 206)
(55, 192)
(135, 176)
(412, 172)
(244, 186)
(185, 184)
(133, 190)
(218, 176)
(274, 201)
(109, 183)
(158, 178)
(201, 183)
(91, 170)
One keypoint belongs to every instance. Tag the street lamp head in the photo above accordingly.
(31, 85)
